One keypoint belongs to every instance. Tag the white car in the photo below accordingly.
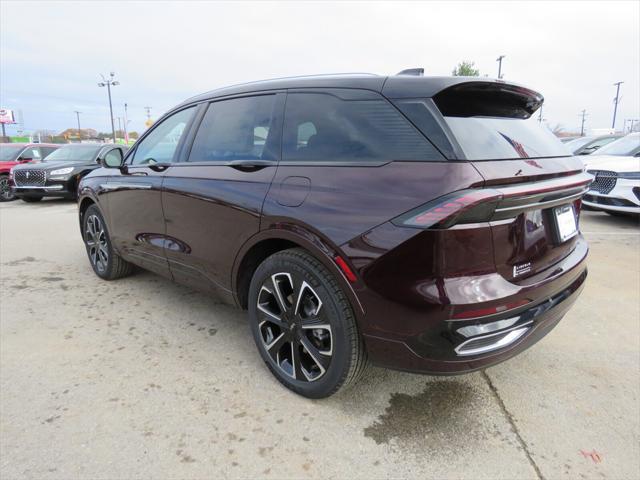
(616, 167)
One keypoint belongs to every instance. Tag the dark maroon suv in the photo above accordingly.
(427, 224)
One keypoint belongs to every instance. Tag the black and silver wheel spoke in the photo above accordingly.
(96, 241)
(5, 189)
(294, 332)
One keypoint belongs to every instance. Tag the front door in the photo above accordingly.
(213, 200)
(134, 194)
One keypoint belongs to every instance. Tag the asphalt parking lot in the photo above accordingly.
(144, 378)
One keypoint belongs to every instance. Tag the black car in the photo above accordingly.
(59, 173)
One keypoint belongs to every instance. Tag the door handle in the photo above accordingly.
(159, 167)
(251, 165)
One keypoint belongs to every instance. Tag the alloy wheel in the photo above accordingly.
(96, 240)
(294, 331)
(5, 189)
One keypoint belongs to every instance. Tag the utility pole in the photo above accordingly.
(499, 60)
(584, 116)
(615, 104)
(119, 125)
(79, 131)
(110, 82)
(126, 135)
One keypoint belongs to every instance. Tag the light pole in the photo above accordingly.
(499, 60)
(79, 131)
(109, 83)
(615, 104)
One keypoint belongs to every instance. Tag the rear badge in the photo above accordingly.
(520, 269)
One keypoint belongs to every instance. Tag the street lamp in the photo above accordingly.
(109, 83)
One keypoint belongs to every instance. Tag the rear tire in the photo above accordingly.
(106, 263)
(31, 199)
(303, 325)
(6, 195)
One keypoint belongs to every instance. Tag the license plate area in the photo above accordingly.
(564, 222)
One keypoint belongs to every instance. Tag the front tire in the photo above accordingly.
(31, 199)
(6, 195)
(303, 325)
(106, 263)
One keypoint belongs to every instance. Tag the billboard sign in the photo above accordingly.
(6, 116)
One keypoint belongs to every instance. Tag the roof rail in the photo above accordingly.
(416, 72)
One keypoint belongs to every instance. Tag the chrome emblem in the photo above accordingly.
(28, 174)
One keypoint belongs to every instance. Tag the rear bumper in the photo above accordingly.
(440, 347)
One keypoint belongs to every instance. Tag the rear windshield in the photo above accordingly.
(500, 138)
(75, 153)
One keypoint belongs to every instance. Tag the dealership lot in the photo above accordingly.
(144, 378)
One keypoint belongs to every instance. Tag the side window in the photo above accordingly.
(324, 127)
(235, 129)
(160, 145)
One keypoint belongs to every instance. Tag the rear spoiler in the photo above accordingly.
(488, 99)
(466, 96)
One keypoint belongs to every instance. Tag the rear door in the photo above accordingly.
(133, 195)
(213, 199)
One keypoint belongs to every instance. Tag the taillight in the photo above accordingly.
(465, 206)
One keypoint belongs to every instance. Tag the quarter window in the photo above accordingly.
(236, 129)
(161, 143)
(324, 127)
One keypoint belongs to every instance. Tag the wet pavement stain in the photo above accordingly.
(20, 261)
(445, 413)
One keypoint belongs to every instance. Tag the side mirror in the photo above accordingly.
(25, 159)
(112, 159)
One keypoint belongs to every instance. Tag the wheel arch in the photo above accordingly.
(270, 241)
(84, 203)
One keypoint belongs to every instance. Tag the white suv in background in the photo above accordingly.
(616, 168)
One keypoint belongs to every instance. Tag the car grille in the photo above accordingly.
(29, 178)
(605, 180)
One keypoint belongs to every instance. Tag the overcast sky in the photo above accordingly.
(51, 53)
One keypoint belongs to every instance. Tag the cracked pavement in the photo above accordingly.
(144, 378)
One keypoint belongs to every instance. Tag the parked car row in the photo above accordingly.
(616, 168)
(33, 171)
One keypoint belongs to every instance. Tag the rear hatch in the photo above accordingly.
(538, 183)
(533, 185)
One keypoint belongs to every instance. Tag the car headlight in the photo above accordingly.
(629, 175)
(61, 171)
